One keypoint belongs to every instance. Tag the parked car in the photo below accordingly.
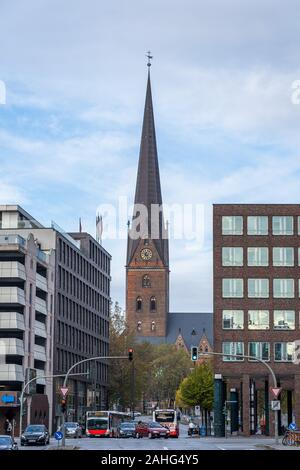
(151, 430)
(7, 443)
(35, 434)
(137, 414)
(127, 429)
(73, 430)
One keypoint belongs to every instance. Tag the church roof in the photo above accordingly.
(148, 189)
(191, 326)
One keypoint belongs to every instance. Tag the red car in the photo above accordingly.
(151, 430)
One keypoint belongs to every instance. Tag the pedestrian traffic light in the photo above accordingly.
(63, 405)
(130, 354)
(194, 353)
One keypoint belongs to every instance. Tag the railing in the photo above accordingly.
(12, 321)
(12, 269)
(13, 346)
(12, 240)
(39, 352)
(41, 282)
(11, 373)
(12, 295)
(41, 305)
(40, 329)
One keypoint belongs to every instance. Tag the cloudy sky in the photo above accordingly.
(227, 130)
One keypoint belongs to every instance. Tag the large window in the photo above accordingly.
(258, 288)
(139, 304)
(232, 256)
(258, 319)
(259, 350)
(146, 282)
(258, 256)
(283, 256)
(232, 225)
(284, 352)
(283, 288)
(257, 225)
(153, 304)
(284, 319)
(233, 319)
(283, 225)
(232, 288)
(233, 348)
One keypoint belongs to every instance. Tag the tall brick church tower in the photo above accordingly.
(147, 268)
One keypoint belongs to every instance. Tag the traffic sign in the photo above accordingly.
(64, 391)
(292, 426)
(276, 391)
(275, 405)
(58, 435)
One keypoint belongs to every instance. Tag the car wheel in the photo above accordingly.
(166, 437)
(22, 444)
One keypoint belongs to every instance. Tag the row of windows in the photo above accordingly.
(258, 225)
(90, 297)
(152, 304)
(259, 319)
(259, 256)
(74, 286)
(66, 359)
(283, 352)
(77, 263)
(79, 340)
(139, 326)
(82, 316)
(99, 257)
(259, 288)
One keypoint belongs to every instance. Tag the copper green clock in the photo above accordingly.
(146, 254)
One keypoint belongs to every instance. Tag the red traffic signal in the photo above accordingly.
(130, 354)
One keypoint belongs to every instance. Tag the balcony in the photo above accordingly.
(39, 353)
(11, 346)
(12, 321)
(11, 373)
(40, 329)
(40, 305)
(12, 240)
(41, 282)
(12, 270)
(39, 373)
(12, 295)
(42, 256)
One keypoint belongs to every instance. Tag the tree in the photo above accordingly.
(197, 388)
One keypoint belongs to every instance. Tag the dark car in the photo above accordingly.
(127, 429)
(35, 434)
(7, 443)
(151, 430)
(73, 430)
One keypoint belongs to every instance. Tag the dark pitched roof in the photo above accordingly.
(148, 189)
(191, 326)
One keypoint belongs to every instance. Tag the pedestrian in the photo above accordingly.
(9, 428)
(6, 424)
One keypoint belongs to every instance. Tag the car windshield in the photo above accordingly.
(154, 425)
(97, 423)
(127, 425)
(35, 429)
(5, 441)
(71, 425)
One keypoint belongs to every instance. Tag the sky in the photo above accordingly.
(227, 128)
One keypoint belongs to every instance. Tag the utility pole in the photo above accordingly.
(132, 390)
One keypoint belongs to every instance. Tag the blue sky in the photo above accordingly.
(227, 131)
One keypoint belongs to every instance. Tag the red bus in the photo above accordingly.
(167, 418)
(104, 423)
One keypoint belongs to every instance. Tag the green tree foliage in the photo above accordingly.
(197, 388)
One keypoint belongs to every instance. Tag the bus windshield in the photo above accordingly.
(165, 416)
(97, 423)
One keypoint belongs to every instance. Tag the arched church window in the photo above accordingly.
(139, 326)
(201, 349)
(139, 304)
(153, 304)
(206, 349)
(153, 326)
(146, 281)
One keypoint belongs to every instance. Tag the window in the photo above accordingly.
(146, 281)
(284, 352)
(233, 288)
(282, 225)
(259, 350)
(283, 288)
(258, 319)
(139, 304)
(152, 304)
(257, 225)
(232, 256)
(139, 326)
(258, 256)
(233, 319)
(233, 348)
(232, 225)
(258, 288)
(283, 256)
(284, 319)
(153, 326)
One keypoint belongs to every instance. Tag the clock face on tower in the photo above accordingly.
(146, 254)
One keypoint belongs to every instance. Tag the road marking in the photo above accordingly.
(221, 448)
(166, 448)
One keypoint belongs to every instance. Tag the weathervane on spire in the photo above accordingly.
(149, 57)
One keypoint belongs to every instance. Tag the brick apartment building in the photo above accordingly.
(256, 309)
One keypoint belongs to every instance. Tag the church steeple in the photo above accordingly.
(148, 189)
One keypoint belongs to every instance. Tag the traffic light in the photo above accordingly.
(130, 354)
(63, 405)
(194, 353)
